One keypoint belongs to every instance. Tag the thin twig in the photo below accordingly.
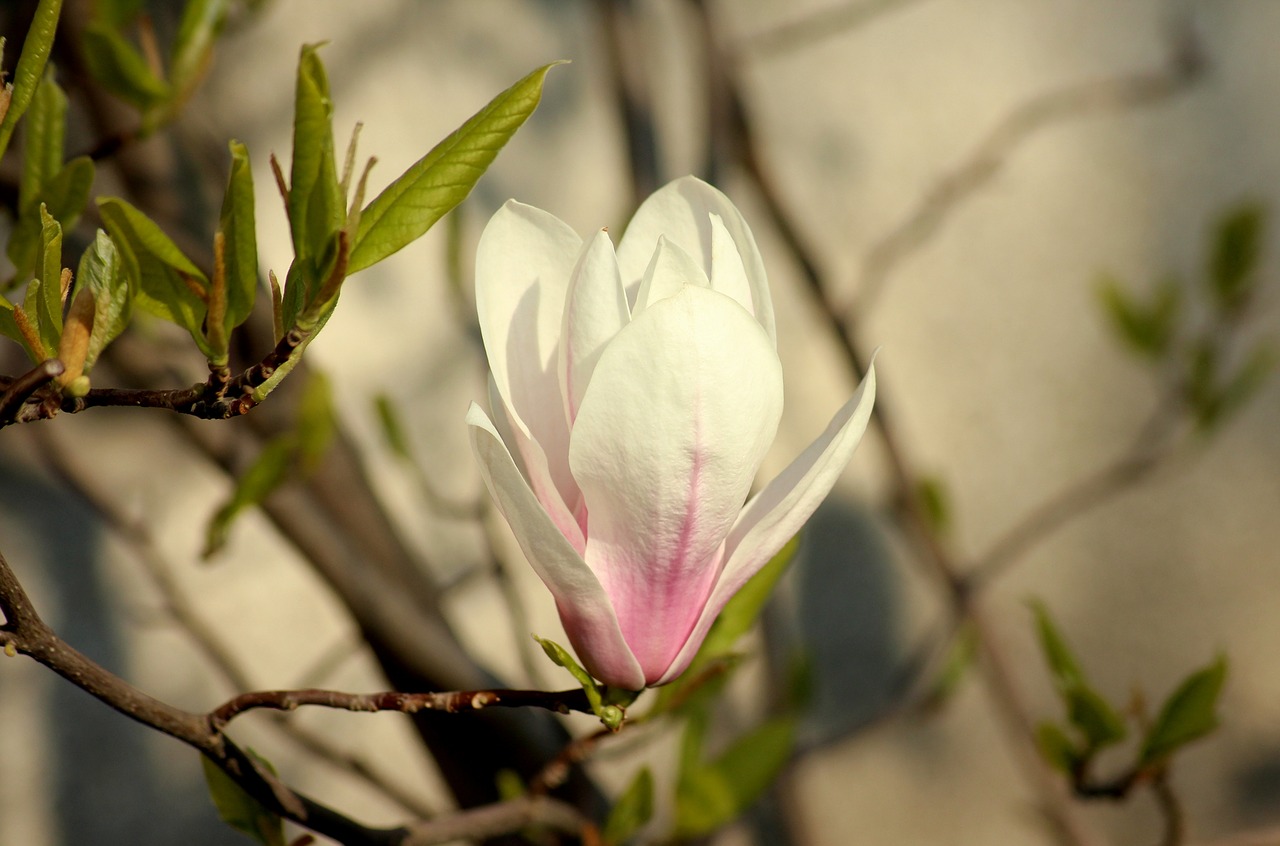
(840, 19)
(1122, 93)
(24, 632)
(451, 702)
(18, 390)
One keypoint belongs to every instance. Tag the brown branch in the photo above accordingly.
(451, 702)
(19, 390)
(24, 632)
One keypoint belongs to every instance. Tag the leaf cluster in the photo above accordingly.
(1093, 724)
(1190, 332)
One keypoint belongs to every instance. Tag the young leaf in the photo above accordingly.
(315, 423)
(48, 311)
(709, 796)
(1236, 246)
(30, 68)
(315, 203)
(1087, 710)
(102, 272)
(742, 611)
(120, 68)
(632, 810)
(443, 177)
(64, 196)
(263, 476)
(392, 429)
(240, 243)
(202, 20)
(1189, 714)
(10, 329)
(561, 658)
(239, 810)
(1057, 748)
(42, 139)
(169, 285)
(1147, 329)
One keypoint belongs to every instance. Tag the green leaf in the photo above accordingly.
(1245, 382)
(64, 197)
(442, 178)
(1056, 748)
(120, 68)
(264, 475)
(741, 612)
(391, 427)
(238, 809)
(1094, 717)
(240, 245)
(633, 809)
(42, 139)
(168, 283)
(932, 493)
(102, 272)
(1087, 710)
(48, 302)
(754, 760)
(315, 423)
(561, 658)
(31, 64)
(1148, 328)
(709, 796)
(315, 203)
(202, 20)
(9, 326)
(1237, 244)
(1188, 714)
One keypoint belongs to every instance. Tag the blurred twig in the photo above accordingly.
(839, 19)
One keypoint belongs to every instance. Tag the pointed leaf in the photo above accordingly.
(315, 423)
(1189, 714)
(441, 179)
(633, 809)
(1236, 247)
(30, 68)
(202, 20)
(49, 279)
(1148, 329)
(240, 245)
(315, 203)
(168, 283)
(64, 196)
(9, 326)
(102, 272)
(263, 476)
(754, 760)
(239, 810)
(42, 139)
(120, 68)
(741, 612)
(1095, 719)
(1057, 748)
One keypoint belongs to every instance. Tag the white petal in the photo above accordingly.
(681, 210)
(595, 310)
(523, 263)
(683, 404)
(776, 513)
(728, 275)
(670, 269)
(585, 610)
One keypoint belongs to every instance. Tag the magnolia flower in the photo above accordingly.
(634, 396)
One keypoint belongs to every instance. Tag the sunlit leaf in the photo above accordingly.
(102, 272)
(1087, 710)
(240, 245)
(30, 68)
(443, 177)
(42, 139)
(169, 285)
